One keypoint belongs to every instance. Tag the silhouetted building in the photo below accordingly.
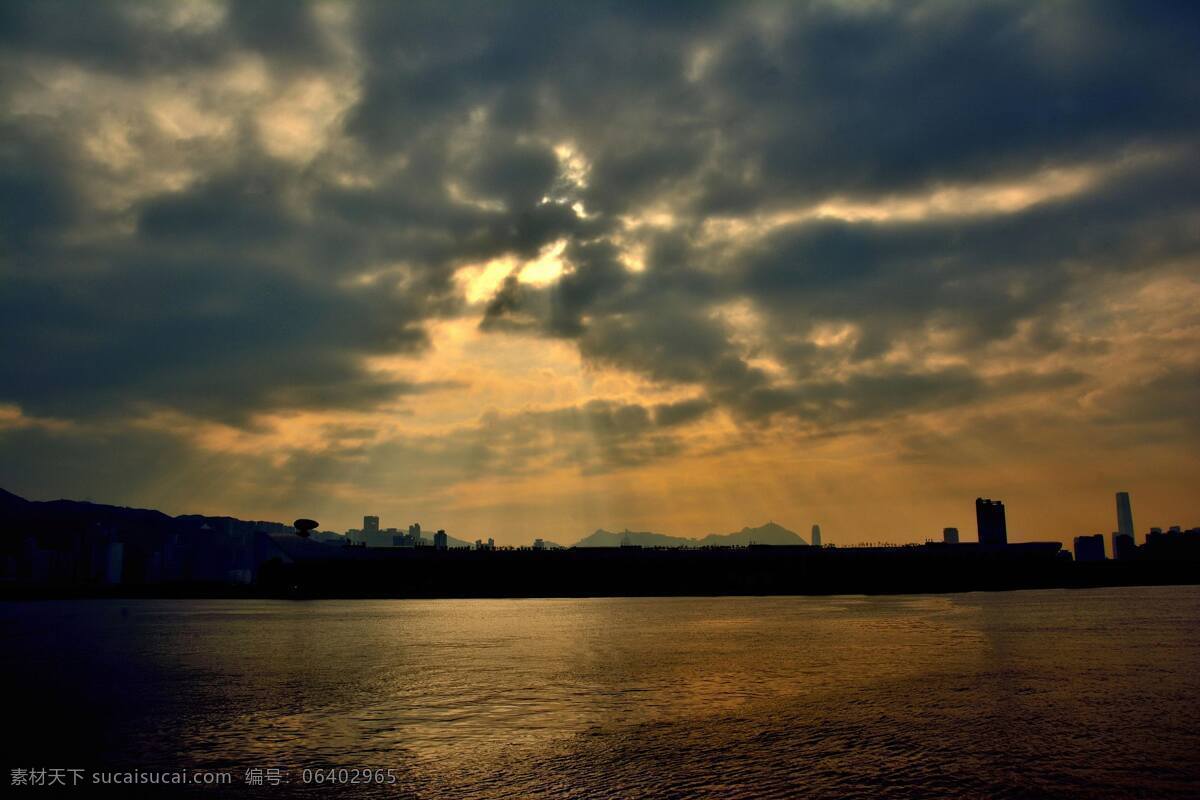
(989, 517)
(370, 525)
(950, 535)
(399, 538)
(1174, 545)
(440, 540)
(1123, 546)
(539, 544)
(816, 535)
(1124, 516)
(1089, 548)
(374, 537)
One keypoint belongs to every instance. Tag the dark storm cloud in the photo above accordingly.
(109, 36)
(284, 31)
(222, 302)
(854, 101)
(218, 340)
(987, 274)
(244, 290)
(518, 175)
(236, 210)
(787, 102)
(682, 412)
(977, 278)
(128, 37)
(522, 61)
(36, 197)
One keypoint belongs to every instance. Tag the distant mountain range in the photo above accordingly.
(764, 534)
(17, 513)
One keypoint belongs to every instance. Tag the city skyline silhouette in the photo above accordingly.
(71, 548)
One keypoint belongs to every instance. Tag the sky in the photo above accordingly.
(529, 269)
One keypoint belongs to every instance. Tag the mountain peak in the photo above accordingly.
(769, 533)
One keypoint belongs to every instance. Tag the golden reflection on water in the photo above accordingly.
(739, 696)
(453, 681)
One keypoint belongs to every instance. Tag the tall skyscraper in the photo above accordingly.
(370, 524)
(1089, 548)
(950, 535)
(1125, 516)
(816, 535)
(989, 517)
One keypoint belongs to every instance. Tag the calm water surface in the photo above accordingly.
(1021, 694)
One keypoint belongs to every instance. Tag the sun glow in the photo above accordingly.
(479, 282)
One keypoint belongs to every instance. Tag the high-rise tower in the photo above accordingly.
(1089, 548)
(1124, 515)
(989, 517)
(1123, 543)
(816, 535)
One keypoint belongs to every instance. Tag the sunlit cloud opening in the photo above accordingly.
(479, 283)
